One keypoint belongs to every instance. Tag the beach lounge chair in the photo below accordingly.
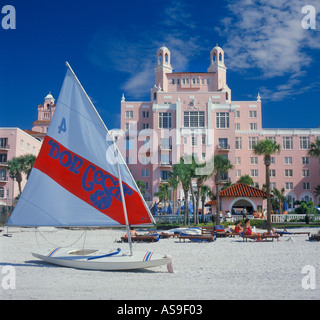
(206, 235)
(143, 238)
(260, 237)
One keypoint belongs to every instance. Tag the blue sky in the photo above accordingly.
(112, 48)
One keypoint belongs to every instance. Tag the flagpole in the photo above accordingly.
(116, 156)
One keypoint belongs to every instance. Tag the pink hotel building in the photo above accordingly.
(193, 113)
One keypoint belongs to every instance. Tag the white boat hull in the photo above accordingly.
(101, 260)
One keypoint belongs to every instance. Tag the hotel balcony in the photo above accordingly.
(165, 165)
(4, 179)
(4, 147)
(4, 163)
(165, 147)
(223, 148)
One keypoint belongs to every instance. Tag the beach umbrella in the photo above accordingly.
(285, 206)
(154, 209)
(169, 210)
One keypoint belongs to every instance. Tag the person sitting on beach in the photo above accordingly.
(133, 233)
(247, 228)
(238, 227)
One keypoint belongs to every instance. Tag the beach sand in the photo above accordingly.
(225, 269)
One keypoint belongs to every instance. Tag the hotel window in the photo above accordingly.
(21, 144)
(165, 119)
(145, 114)
(272, 172)
(222, 120)
(237, 126)
(145, 126)
(289, 185)
(253, 141)
(129, 114)
(305, 160)
(164, 175)
(193, 141)
(3, 158)
(306, 186)
(253, 126)
(254, 172)
(203, 139)
(165, 143)
(165, 158)
(287, 143)
(4, 143)
(253, 160)
(172, 81)
(129, 126)
(223, 143)
(272, 185)
(238, 160)
(273, 160)
(288, 173)
(207, 81)
(3, 174)
(129, 144)
(147, 185)
(178, 81)
(185, 140)
(193, 119)
(237, 115)
(193, 80)
(145, 173)
(203, 156)
(1, 193)
(238, 173)
(252, 114)
(305, 173)
(287, 160)
(304, 143)
(273, 139)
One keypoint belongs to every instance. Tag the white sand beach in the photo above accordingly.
(225, 269)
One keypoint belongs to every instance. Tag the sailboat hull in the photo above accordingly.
(99, 260)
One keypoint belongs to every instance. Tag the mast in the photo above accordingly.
(116, 156)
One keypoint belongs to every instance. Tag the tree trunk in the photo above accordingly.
(197, 204)
(193, 202)
(267, 162)
(186, 211)
(218, 204)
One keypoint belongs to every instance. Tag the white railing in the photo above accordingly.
(280, 218)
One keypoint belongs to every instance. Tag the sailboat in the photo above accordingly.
(80, 179)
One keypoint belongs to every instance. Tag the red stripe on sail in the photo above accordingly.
(90, 183)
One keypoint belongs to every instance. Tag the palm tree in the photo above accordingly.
(279, 194)
(317, 191)
(205, 190)
(16, 167)
(163, 193)
(314, 150)
(184, 173)
(174, 182)
(221, 165)
(29, 160)
(201, 176)
(142, 186)
(267, 148)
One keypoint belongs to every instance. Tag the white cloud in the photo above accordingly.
(266, 35)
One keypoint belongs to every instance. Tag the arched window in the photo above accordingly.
(166, 58)
(227, 96)
(214, 57)
(220, 56)
(154, 96)
(160, 59)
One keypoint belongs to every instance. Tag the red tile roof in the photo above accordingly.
(243, 190)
